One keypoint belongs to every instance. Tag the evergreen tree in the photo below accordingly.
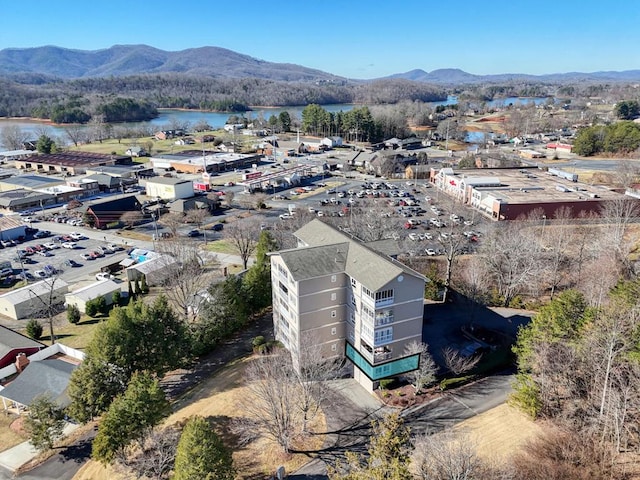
(34, 329)
(141, 406)
(44, 423)
(73, 314)
(201, 454)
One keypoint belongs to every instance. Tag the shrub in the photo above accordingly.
(385, 383)
(143, 284)
(101, 305)
(257, 341)
(73, 314)
(91, 308)
(448, 383)
(116, 298)
(34, 329)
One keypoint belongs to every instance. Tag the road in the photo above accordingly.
(452, 408)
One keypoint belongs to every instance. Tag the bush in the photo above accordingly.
(143, 284)
(385, 383)
(73, 314)
(116, 298)
(448, 383)
(101, 304)
(91, 308)
(34, 329)
(257, 341)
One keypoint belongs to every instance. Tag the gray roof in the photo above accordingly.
(46, 377)
(33, 181)
(305, 263)
(11, 340)
(95, 290)
(41, 288)
(362, 263)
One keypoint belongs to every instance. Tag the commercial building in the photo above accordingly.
(337, 293)
(73, 163)
(195, 162)
(169, 188)
(33, 300)
(29, 182)
(506, 194)
(102, 288)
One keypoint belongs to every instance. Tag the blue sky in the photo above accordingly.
(355, 39)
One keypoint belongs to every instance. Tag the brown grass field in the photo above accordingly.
(500, 432)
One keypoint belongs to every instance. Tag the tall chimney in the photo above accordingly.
(21, 361)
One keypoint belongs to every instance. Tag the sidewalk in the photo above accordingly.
(15, 457)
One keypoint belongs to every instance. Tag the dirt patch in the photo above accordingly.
(405, 396)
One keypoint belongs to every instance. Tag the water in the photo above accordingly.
(217, 120)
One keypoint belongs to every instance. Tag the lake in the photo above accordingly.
(217, 119)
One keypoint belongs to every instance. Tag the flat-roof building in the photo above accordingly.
(506, 194)
(71, 162)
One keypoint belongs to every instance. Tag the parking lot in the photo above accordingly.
(58, 253)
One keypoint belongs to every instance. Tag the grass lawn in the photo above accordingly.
(222, 246)
(220, 399)
(9, 438)
(75, 336)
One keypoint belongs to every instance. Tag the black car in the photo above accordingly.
(193, 233)
(42, 234)
(217, 227)
(71, 263)
(30, 230)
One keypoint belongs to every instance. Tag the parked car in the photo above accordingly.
(86, 256)
(7, 243)
(50, 269)
(430, 251)
(42, 234)
(71, 263)
(6, 272)
(70, 245)
(29, 250)
(193, 233)
(45, 253)
(103, 276)
(114, 247)
(77, 236)
(51, 246)
(217, 227)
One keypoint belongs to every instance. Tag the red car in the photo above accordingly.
(30, 250)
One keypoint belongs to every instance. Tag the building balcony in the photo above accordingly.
(375, 355)
(384, 302)
(383, 319)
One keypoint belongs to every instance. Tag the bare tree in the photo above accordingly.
(132, 218)
(445, 455)
(13, 137)
(618, 215)
(187, 274)
(76, 134)
(314, 369)
(228, 198)
(152, 456)
(47, 304)
(425, 375)
(457, 363)
(243, 235)
(197, 216)
(556, 255)
(272, 381)
(173, 221)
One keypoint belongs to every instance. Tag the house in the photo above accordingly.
(417, 171)
(183, 205)
(167, 134)
(155, 269)
(348, 299)
(136, 151)
(332, 142)
(12, 343)
(33, 300)
(169, 188)
(185, 141)
(111, 211)
(102, 288)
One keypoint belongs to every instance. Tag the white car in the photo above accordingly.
(40, 274)
(76, 236)
(430, 251)
(414, 236)
(103, 276)
(51, 246)
(114, 248)
(285, 216)
(69, 245)
(44, 253)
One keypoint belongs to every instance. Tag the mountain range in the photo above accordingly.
(122, 60)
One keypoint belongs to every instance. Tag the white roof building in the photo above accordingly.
(33, 300)
(102, 288)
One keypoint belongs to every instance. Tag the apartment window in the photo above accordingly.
(334, 347)
(384, 295)
(367, 292)
(334, 296)
(283, 287)
(353, 282)
(366, 311)
(384, 335)
(333, 314)
(334, 330)
(333, 279)
(353, 302)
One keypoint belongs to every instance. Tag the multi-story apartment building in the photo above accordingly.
(350, 300)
